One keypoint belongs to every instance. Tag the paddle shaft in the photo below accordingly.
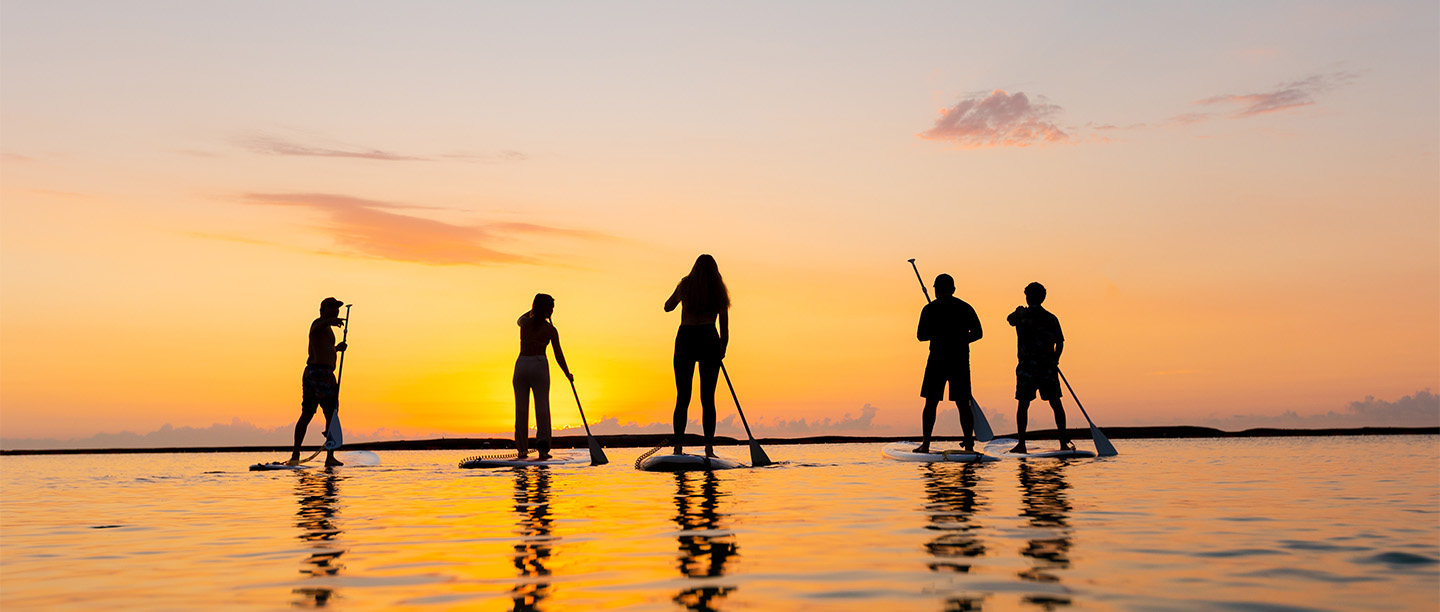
(923, 288)
(737, 402)
(1103, 447)
(579, 407)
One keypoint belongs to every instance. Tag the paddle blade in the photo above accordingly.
(982, 426)
(1103, 447)
(334, 436)
(758, 458)
(597, 456)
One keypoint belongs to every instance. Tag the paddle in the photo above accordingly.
(757, 454)
(333, 437)
(983, 432)
(597, 456)
(1103, 447)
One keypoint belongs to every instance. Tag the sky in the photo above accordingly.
(1235, 206)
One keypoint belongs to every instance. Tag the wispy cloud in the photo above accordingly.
(1284, 97)
(998, 119)
(269, 145)
(371, 228)
(272, 145)
(14, 158)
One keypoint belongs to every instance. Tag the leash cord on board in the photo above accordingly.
(652, 451)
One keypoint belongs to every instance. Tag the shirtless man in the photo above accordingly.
(1040, 343)
(950, 325)
(319, 388)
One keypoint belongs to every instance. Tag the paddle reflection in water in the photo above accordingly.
(319, 493)
(532, 505)
(953, 503)
(1045, 504)
(705, 546)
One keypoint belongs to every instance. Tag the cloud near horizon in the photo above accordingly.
(271, 145)
(998, 119)
(370, 228)
(1419, 410)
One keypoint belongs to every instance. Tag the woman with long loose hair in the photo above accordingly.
(532, 375)
(703, 300)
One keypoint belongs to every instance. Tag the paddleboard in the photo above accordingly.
(1051, 453)
(687, 463)
(905, 451)
(556, 458)
(350, 458)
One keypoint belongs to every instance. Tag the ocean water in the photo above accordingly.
(1350, 523)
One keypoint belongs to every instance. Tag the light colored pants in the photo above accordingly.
(532, 375)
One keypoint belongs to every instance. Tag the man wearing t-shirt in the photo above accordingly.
(950, 325)
(1040, 342)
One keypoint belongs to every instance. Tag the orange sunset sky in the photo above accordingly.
(1235, 206)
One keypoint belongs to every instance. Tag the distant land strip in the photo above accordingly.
(652, 440)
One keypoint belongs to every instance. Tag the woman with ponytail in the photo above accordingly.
(532, 375)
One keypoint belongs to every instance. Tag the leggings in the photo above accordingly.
(532, 374)
(696, 344)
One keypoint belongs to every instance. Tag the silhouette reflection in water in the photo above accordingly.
(951, 507)
(705, 547)
(1047, 507)
(532, 505)
(319, 493)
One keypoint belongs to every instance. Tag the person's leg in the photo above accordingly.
(1060, 422)
(542, 412)
(967, 423)
(1022, 415)
(522, 412)
(709, 380)
(307, 412)
(927, 424)
(684, 373)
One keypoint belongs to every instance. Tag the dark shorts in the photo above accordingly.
(1033, 377)
(319, 389)
(697, 343)
(942, 370)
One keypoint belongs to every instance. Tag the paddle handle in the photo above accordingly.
(923, 288)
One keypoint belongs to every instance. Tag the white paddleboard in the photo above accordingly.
(687, 463)
(1050, 453)
(905, 451)
(556, 458)
(350, 458)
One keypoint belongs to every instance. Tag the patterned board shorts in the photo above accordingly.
(319, 389)
(1032, 377)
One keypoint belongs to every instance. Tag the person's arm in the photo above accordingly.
(559, 354)
(975, 332)
(1016, 317)
(674, 300)
(923, 332)
(724, 331)
(521, 320)
(1059, 343)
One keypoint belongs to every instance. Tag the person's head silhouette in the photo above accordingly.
(543, 306)
(1034, 294)
(944, 286)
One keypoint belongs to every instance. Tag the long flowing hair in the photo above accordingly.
(543, 303)
(704, 289)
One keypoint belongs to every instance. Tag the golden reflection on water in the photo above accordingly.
(532, 506)
(319, 495)
(1044, 503)
(705, 547)
(953, 501)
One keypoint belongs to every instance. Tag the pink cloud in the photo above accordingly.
(1287, 96)
(268, 145)
(997, 119)
(369, 228)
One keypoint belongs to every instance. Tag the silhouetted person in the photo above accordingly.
(532, 374)
(1040, 342)
(318, 385)
(950, 325)
(703, 299)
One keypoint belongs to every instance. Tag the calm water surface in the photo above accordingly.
(1251, 524)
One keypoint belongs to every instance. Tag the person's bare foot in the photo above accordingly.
(679, 451)
(1019, 449)
(542, 457)
(333, 462)
(923, 449)
(1067, 445)
(710, 452)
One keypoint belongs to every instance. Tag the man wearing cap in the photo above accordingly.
(319, 388)
(950, 325)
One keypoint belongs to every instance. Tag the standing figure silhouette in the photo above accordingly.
(950, 325)
(319, 389)
(532, 375)
(703, 300)
(1039, 344)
